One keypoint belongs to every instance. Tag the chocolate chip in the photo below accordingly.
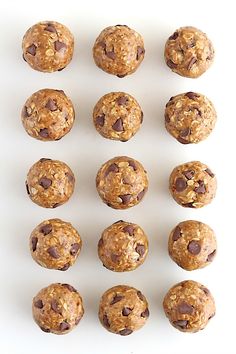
(126, 311)
(53, 252)
(140, 51)
(125, 198)
(45, 182)
(102, 44)
(65, 267)
(174, 36)
(122, 100)
(59, 46)
(55, 306)
(47, 330)
(133, 164)
(100, 120)
(44, 133)
(25, 113)
(211, 316)
(121, 75)
(192, 95)
(118, 125)
(210, 173)
(50, 28)
(31, 49)
(77, 321)
(140, 249)
(27, 188)
(189, 174)
(46, 229)
(191, 63)
(182, 140)
(129, 229)
(201, 189)
(126, 180)
(141, 118)
(171, 64)
(105, 321)
(51, 105)
(118, 221)
(34, 242)
(23, 57)
(145, 313)
(100, 243)
(206, 291)
(185, 308)
(111, 54)
(125, 332)
(44, 159)
(184, 132)
(176, 234)
(56, 205)
(114, 257)
(38, 304)
(116, 299)
(140, 295)
(112, 168)
(141, 194)
(70, 177)
(61, 69)
(69, 287)
(194, 247)
(74, 249)
(211, 256)
(64, 326)
(180, 184)
(181, 324)
(167, 118)
(188, 205)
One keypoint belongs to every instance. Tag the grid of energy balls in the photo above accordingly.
(122, 182)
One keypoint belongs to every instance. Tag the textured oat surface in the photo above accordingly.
(55, 244)
(122, 182)
(192, 184)
(48, 115)
(123, 246)
(50, 183)
(57, 308)
(190, 117)
(117, 116)
(118, 50)
(192, 244)
(123, 309)
(189, 306)
(188, 52)
(48, 46)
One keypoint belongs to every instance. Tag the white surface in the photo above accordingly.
(84, 150)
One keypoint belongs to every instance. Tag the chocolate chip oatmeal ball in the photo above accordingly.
(123, 310)
(189, 306)
(118, 50)
(55, 244)
(192, 245)
(117, 116)
(192, 184)
(123, 246)
(188, 52)
(57, 308)
(190, 117)
(50, 183)
(48, 115)
(122, 182)
(48, 46)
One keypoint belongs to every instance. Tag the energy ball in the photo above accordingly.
(50, 183)
(118, 50)
(48, 46)
(123, 246)
(123, 310)
(117, 116)
(122, 182)
(48, 115)
(189, 306)
(190, 117)
(192, 245)
(188, 52)
(55, 244)
(192, 184)
(57, 308)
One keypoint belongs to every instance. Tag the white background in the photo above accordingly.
(85, 150)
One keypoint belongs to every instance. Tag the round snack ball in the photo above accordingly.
(118, 50)
(188, 52)
(123, 246)
(192, 245)
(192, 184)
(189, 306)
(50, 183)
(122, 182)
(123, 310)
(190, 117)
(48, 46)
(48, 115)
(117, 116)
(57, 308)
(55, 244)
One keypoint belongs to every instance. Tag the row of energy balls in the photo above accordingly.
(121, 182)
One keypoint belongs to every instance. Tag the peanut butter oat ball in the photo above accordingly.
(189, 306)
(48, 115)
(123, 310)
(188, 52)
(118, 50)
(55, 244)
(122, 182)
(192, 184)
(117, 116)
(192, 245)
(48, 46)
(57, 308)
(123, 246)
(50, 183)
(190, 117)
